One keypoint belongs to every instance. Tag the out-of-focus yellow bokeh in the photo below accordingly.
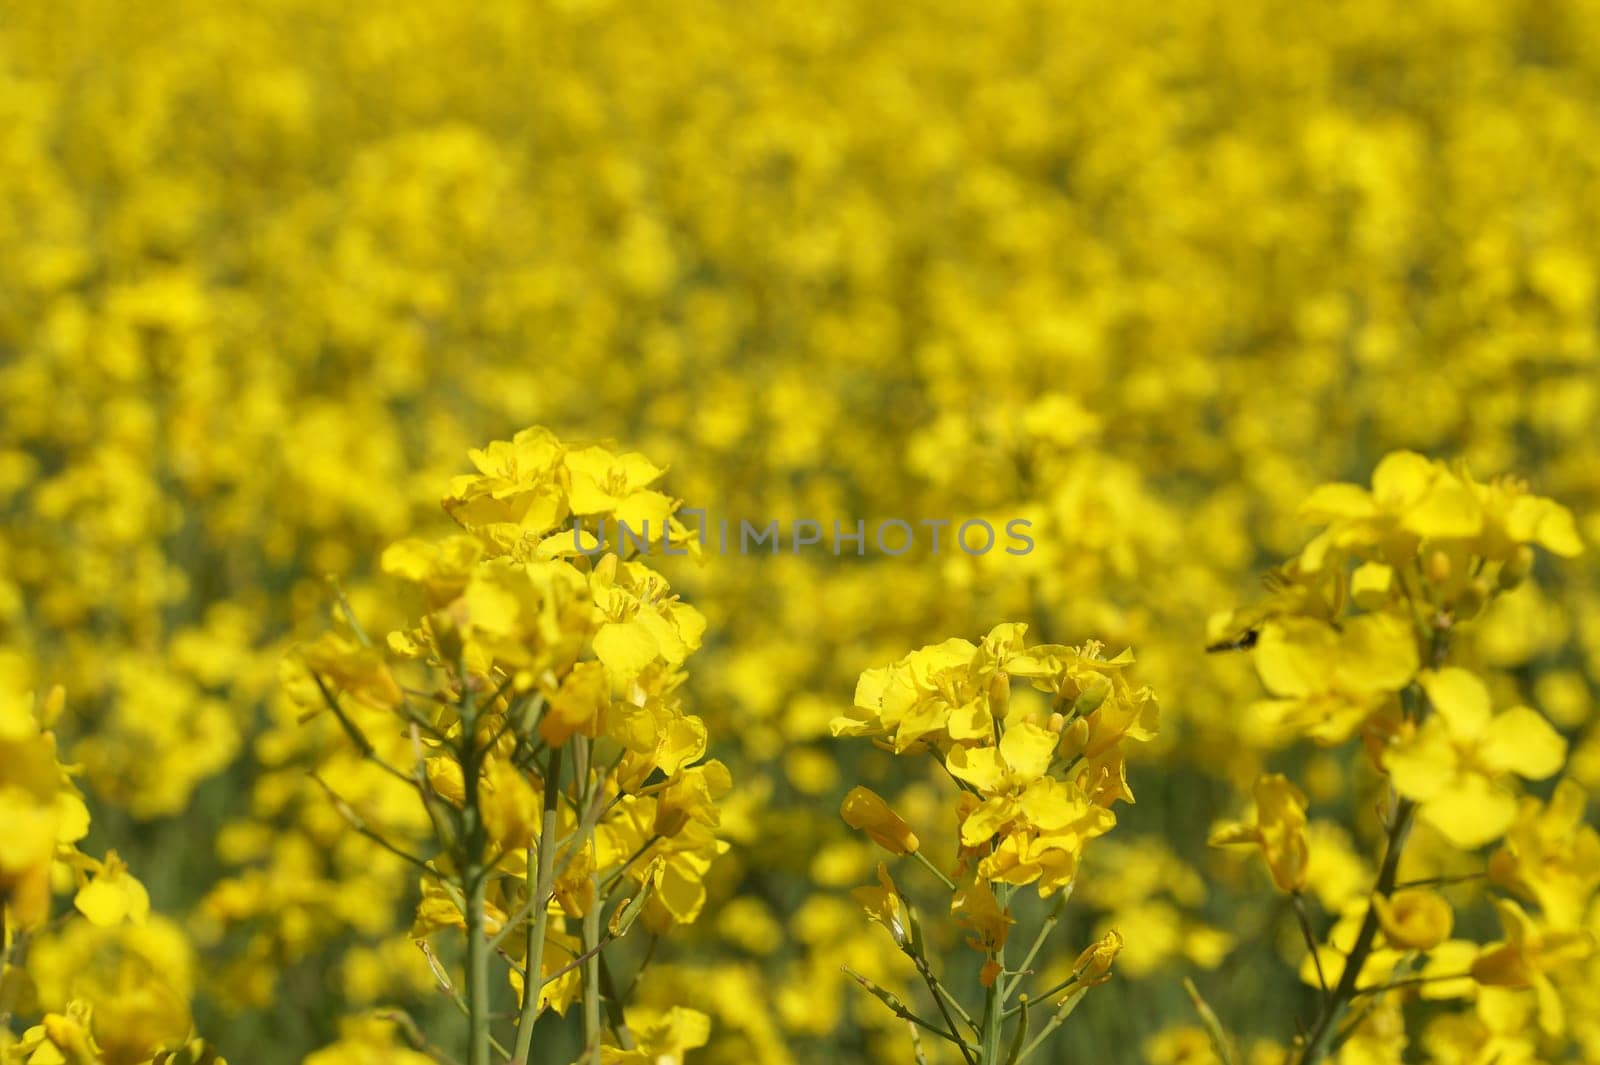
(1141, 274)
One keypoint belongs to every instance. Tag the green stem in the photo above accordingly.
(1209, 1021)
(941, 999)
(1050, 992)
(1321, 1036)
(475, 882)
(950, 885)
(591, 925)
(1304, 918)
(1038, 944)
(901, 1010)
(591, 979)
(541, 870)
(993, 1024)
(1320, 1040)
(1410, 982)
(1063, 1011)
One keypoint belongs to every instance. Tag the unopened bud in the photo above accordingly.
(669, 820)
(1074, 738)
(864, 809)
(50, 709)
(1516, 570)
(999, 695)
(1093, 694)
(1438, 567)
(446, 635)
(1094, 964)
(1471, 601)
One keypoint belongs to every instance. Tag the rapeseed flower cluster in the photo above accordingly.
(532, 708)
(1357, 641)
(1034, 789)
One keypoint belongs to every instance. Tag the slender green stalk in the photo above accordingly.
(1319, 1042)
(638, 974)
(993, 1024)
(1019, 1037)
(1304, 918)
(901, 1010)
(591, 917)
(1045, 929)
(941, 998)
(1321, 1035)
(918, 1055)
(1064, 1011)
(1412, 981)
(591, 977)
(934, 869)
(12, 954)
(1050, 992)
(1442, 881)
(1209, 1021)
(541, 867)
(475, 881)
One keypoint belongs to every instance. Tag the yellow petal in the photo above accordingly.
(73, 817)
(1423, 764)
(1371, 584)
(1027, 749)
(491, 607)
(1471, 812)
(1449, 510)
(1295, 656)
(411, 560)
(979, 766)
(645, 514)
(971, 721)
(625, 647)
(1521, 741)
(1400, 478)
(1545, 522)
(1460, 698)
(1329, 501)
(982, 823)
(1377, 652)
(106, 901)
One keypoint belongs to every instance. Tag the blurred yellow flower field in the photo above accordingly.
(632, 533)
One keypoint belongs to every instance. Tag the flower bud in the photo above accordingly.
(1516, 569)
(1094, 964)
(1074, 738)
(1093, 694)
(865, 810)
(446, 635)
(1414, 919)
(669, 820)
(1371, 585)
(1473, 598)
(1438, 567)
(999, 695)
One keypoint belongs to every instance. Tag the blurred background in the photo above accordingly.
(1142, 274)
